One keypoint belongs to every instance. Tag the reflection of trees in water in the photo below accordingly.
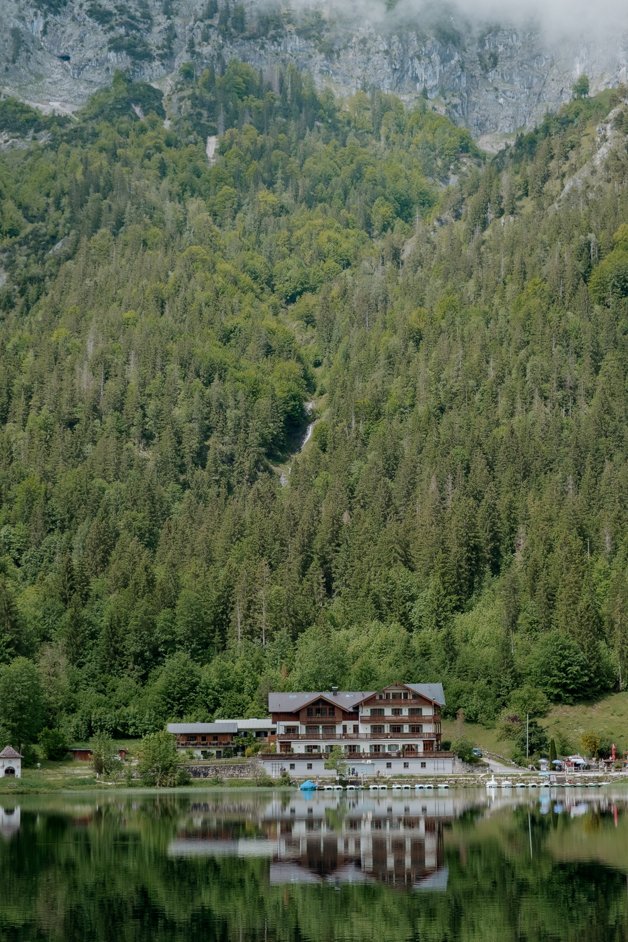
(101, 872)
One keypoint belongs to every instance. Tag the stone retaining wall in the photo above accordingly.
(235, 770)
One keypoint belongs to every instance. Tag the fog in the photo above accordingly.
(554, 17)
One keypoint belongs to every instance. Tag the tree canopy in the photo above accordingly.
(458, 322)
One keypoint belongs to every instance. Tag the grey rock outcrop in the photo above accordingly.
(493, 79)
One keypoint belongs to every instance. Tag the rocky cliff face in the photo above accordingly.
(494, 80)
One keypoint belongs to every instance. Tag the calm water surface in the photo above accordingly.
(210, 865)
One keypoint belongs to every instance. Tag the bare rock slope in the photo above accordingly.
(494, 79)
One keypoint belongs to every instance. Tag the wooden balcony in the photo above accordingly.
(352, 737)
(389, 718)
(360, 756)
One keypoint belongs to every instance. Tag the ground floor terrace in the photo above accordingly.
(353, 750)
(363, 766)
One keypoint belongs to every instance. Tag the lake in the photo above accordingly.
(276, 865)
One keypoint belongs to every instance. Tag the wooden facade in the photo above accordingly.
(401, 721)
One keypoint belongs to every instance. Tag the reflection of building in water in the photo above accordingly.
(394, 842)
(398, 853)
(357, 840)
(9, 822)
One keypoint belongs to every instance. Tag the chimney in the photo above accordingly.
(334, 691)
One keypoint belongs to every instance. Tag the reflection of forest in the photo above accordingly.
(168, 868)
(567, 826)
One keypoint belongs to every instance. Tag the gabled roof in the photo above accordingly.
(433, 692)
(345, 699)
(291, 702)
(9, 753)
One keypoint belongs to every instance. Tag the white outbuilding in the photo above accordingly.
(10, 763)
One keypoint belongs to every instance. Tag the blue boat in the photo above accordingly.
(308, 786)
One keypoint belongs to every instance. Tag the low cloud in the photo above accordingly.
(555, 17)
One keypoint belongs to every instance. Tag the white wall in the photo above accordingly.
(439, 766)
(13, 764)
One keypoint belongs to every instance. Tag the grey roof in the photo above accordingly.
(9, 753)
(222, 726)
(346, 699)
(256, 723)
(289, 702)
(433, 692)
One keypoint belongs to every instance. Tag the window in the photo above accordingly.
(351, 750)
(292, 766)
(311, 749)
(293, 730)
(397, 711)
(321, 711)
(406, 765)
(376, 748)
(389, 765)
(416, 729)
(377, 711)
(415, 711)
(356, 728)
(392, 747)
(396, 729)
(377, 730)
(312, 730)
(424, 765)
(308, 765)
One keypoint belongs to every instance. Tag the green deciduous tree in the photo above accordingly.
(336, 761)
(159, 762)
(22, 708)
(104, 754)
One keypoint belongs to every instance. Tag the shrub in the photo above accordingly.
(104, 755)
(159, 763)
(54, 744)
(464, 750)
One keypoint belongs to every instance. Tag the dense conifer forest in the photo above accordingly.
(457, 324)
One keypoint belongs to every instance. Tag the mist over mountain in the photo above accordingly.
(553, 18)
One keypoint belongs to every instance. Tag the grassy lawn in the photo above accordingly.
(52, 776)
(77, 775)
(487, 739)
(608, 718)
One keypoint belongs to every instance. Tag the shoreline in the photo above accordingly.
(520, 782)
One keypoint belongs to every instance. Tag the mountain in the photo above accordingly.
(299, 391)
(494, 79)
